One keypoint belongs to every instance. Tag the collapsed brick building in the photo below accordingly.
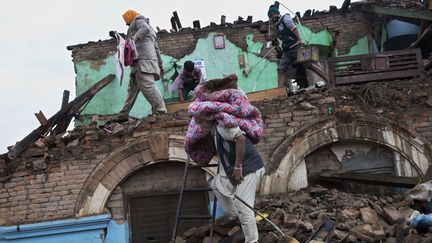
(120, 182)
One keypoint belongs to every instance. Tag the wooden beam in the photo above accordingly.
(177, 20)
(41, 118)
(387, 180)
(255, 96)
(68, 110)
(267, 94)
(63, 125)
(400, 12)
(65, 98)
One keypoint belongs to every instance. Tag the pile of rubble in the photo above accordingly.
(326, 215)
(85, 142)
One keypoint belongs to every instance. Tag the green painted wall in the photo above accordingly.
(218, 62)
(110, 99)
(322, 38)
(361, 47)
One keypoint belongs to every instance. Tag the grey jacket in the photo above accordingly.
(148, 50)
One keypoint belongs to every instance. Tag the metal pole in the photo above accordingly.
(180, 204)
(262, 58)
(250, 207)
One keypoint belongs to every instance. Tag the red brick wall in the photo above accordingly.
(350, 28)
(160, 179)
(30, 195)
(346, 30)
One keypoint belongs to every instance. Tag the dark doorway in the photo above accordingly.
(152, 217)
(359, 157)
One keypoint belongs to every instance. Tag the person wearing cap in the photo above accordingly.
(190, 76)
(287, 32)
(147, 68)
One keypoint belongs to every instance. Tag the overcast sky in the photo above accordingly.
(35, 66)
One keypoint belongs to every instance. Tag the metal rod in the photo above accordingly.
(298, 19)
(262, 58)
(214, 212)
(213, 218)
(180, 204)
(250, 207)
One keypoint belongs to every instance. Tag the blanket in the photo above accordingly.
(228, 107)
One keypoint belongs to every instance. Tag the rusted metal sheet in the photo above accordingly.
(375, 67)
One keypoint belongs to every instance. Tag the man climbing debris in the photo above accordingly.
(146, 68)
(190, 76)
(225, 124)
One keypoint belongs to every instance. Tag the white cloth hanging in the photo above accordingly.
(119, 57)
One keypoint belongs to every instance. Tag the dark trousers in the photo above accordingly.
(187, 88)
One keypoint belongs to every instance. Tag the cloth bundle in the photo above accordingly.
(220, 101)
(130, 52)
(125, 55)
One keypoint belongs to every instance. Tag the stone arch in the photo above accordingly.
(285, 164)
(124, 161)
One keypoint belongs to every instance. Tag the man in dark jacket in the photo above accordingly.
(147, 68)
(291, 42)
(287, 32)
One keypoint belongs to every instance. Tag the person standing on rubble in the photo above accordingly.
(240, 165)
(147, 68)
(190, 76)
(291, 42)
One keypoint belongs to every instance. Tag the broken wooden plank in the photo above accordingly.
(387, 180)
(255, 96)
(324, 232)
(173, 24)
(41, 118)
(375, 67)
(400, 12)
(177, 20)
(400, 234)
(424, 41)
(63, 125)
(69, 109)
(356, 233)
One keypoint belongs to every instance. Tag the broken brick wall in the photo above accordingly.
(34, 193)
(345, 29)
(245, 41)
(182, 43)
